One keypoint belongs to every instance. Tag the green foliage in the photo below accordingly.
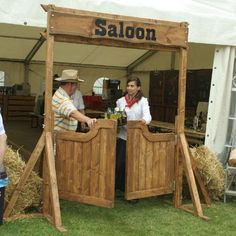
(153, 216)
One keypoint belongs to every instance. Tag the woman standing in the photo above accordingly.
(136, 107)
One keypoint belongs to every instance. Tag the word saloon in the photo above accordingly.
(120, 31)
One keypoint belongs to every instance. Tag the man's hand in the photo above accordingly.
(90, 122)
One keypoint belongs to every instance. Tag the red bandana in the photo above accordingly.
(130, 102)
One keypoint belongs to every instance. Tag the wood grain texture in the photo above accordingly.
(67, 22)
(86, 164)
(149, 162)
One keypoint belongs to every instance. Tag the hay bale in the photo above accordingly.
(30, 195)
(211, 170)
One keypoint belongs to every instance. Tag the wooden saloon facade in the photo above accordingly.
(85, 163)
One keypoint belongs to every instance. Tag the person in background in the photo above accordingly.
(3, 175)
(66, 115)
(136, 107)
(79, 104)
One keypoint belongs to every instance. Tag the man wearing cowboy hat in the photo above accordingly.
(66, 116)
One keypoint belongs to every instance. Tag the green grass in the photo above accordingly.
(153, 216)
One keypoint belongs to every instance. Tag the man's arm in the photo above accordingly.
(82, 118)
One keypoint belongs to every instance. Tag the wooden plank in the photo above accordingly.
(142, 163)
(110, 164)
(94, 183)
(53, 181)
(135, 159)
(162, 167)
(129, 31)
(170, 164)
(128, 163)
(68, 174)
(149, 157)
(177, 200)
(148, 193)
(102, 165)
(200, 182)
(86, 168)
(48, 120)
(87, 199)
(182, 90)
(46, 193)
(49, 7)
(61, 163)
(77, 170)
(190, 176)
(189, 208)
(156, 165)
(25, 175)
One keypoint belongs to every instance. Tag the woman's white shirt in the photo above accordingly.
(139, 111)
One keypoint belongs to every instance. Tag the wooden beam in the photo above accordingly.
(182, 90)
(190, 176)
(53, 183)
(48, 84)
(177, 201)
(51, 7)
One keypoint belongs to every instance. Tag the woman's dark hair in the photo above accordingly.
(137, 81)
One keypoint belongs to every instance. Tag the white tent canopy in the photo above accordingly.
(23, 20)
(212, 22)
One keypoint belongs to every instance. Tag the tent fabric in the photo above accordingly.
(212, 22)
(217, 131)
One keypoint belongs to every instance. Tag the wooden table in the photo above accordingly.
(193, 136)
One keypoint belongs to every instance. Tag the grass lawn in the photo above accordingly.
(153, 216)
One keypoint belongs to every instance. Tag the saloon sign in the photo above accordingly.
(120, 30)
(117, 31)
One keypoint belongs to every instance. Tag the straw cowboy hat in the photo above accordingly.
(69, 76)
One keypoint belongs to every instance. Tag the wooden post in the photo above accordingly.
(177, 201)
(179, 126)
(48, 120)
(182, 90)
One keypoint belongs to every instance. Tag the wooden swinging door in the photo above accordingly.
(85, 164)
(149, 162)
